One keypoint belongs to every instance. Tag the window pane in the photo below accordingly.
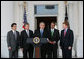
(46, 9)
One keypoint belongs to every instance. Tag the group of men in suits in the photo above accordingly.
(16, 41)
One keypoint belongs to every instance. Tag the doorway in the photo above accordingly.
(47, 21)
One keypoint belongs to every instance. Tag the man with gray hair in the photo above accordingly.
(42, 33)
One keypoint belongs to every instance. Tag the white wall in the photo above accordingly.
(76, 24)
(80, 30)
(6, 20)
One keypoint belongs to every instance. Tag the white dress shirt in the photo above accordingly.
(52, 29)
(27, 31)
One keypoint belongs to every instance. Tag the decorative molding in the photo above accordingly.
(69, 2)
(20, 3)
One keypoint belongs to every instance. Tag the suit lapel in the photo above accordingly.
(67, 32)
(54, 32)
(29, 33)
(12, 34)
(43, 33)
(26, 33)
(50, 32)
(63, 33)
(39, 33)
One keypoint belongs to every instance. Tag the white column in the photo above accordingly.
(80, 30)
(61, 14)
(60, 20)
(18, 13)
(6, 16)
(30, 15)
(75, 17)
(70, 15)
(80, 20)
(18, 18)
(73, 20)
(7, 19)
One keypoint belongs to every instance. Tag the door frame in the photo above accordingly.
(45, 15)
(60, 16)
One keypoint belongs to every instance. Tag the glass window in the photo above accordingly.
(46, 9)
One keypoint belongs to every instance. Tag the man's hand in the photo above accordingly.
(48, 40)
(9, 48)
(54, 42)
(51, 41)
(69, 47)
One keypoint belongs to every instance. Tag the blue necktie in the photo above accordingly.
(41, 31)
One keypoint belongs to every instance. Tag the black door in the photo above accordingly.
(46, 20)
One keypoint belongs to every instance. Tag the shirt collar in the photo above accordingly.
(13, 31)
(27, 30)
(52, 29)
(66, 29)
(41, 29)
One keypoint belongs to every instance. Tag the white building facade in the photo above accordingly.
(12, 11)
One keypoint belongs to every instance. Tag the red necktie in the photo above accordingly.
(64, 33)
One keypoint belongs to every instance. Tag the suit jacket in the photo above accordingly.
(24, 37)
(11, 41)
(67, 40)
(38, 34)
(55, 36)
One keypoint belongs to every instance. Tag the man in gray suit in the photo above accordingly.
(13, 41)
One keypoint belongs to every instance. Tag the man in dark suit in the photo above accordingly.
(66, 41)
(13, 41)
(24, 45)
(42, 33)
(53, 41)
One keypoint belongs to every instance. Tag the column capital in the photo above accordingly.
(20, 3)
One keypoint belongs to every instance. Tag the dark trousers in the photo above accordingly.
(27, 51)
(52, 51)
(13, 54)
(43, 51)
(66, 53)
